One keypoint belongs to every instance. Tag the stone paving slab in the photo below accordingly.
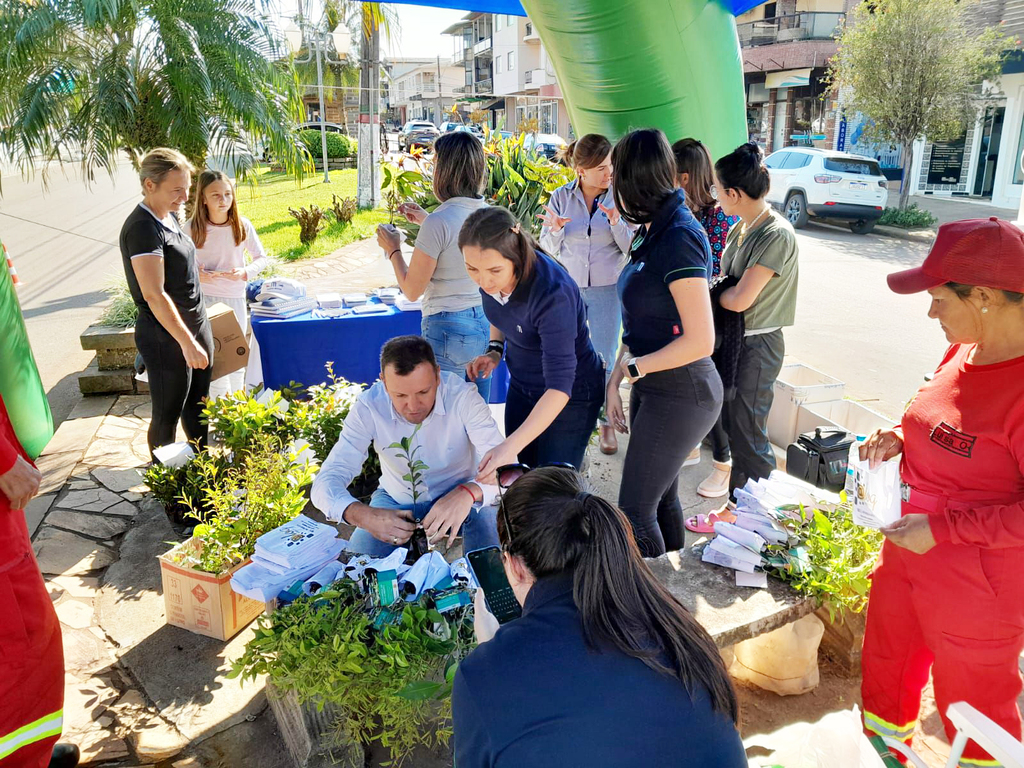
(64, 553)
(100, 526)
(119, 480)
(73, 435)
(36, 510)
(91, 500)
(56, 469)
(92, 406)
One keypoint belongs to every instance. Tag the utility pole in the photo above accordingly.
(368, 189)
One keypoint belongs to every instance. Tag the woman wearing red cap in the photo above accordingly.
(947, 594)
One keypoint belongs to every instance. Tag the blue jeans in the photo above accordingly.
(456, 338)
(604, 317)
(478, 531)
(567, 437)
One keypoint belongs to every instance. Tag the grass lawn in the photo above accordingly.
(266, 204)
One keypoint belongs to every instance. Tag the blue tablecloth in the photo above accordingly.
(297, 349)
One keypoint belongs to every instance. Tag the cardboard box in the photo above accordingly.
(202, 602)
(230, 347)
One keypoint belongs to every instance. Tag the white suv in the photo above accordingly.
(810, 182)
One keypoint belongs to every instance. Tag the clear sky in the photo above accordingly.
(420, 32)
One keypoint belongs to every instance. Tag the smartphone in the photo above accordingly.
(490, 574)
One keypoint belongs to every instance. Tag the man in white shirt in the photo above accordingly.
(452, 427)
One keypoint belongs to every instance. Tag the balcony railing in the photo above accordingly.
(485, 87)
(461, 89)
(810, 25)
(535, 78)
(459, 56)
(531, 35)
(482, 47)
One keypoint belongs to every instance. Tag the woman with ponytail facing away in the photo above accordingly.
(605, 667)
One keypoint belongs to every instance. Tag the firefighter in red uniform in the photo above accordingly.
(947, 593)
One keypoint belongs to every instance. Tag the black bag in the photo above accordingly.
(821, 457)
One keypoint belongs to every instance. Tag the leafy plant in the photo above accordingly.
(311, 222)
(417, 467)
(393, 683)
(122, 311)
(264, 491)
(183, 490)
(834, 559)
(240, 419)
(343, 209)
(338, 144)
(398, 186)
(910, 217)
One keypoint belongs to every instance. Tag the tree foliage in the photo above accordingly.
(914, 67)
(94, 78)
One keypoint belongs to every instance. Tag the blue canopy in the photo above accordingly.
(515, 8)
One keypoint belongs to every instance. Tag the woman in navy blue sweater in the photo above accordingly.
(539, 322)
(605, 668)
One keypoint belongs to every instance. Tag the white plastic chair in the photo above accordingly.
(971, 725)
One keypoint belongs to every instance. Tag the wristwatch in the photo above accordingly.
(634, 369)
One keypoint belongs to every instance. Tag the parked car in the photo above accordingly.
(546, 144)
(315, 126)
(451, 127)
(815, 183)
(417, 133)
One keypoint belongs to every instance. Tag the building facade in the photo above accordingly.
(421, 89)
(507, 72)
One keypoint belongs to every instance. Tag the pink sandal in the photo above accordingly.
(706, 523)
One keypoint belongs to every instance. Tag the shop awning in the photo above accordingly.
(789, 78)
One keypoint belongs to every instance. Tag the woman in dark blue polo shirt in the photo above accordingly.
(539, 322)
(605, 668)
(668, 336)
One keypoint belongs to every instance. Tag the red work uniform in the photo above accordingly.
(959, 608)
(31, 653)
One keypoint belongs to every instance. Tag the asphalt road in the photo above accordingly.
(63, 241)
(64, 244)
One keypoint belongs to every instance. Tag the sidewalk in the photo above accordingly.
(947, 209)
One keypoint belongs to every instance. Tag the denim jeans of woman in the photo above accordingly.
(604, 318)
(670, 412)
(456, 338)
(479, 530)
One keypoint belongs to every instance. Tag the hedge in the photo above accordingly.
(338, 145)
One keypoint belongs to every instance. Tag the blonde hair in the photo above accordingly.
(201, 217)
(157, 163)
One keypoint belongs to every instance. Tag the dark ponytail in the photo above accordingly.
(744, 169)
(558, 527)
(495, 228)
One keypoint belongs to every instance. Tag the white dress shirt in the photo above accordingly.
(452, 440)
(588, 246)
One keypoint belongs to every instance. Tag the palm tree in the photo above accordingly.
(99, 77)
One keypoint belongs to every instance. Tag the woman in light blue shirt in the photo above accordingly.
(584, 231)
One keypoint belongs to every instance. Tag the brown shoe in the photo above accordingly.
(608, 443)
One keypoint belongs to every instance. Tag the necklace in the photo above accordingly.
(745, 227)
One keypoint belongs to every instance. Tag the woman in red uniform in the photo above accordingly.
(947, 593)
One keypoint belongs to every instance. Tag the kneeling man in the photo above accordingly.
(453, 427)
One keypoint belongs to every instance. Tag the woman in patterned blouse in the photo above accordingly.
(696, 178)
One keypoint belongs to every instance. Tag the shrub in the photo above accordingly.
(343, 210)
(311, 222)
(123, 311)
(182, 490)
(910, 217)
(338, 144)
(239, 419)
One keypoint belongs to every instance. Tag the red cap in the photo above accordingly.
(983, 252)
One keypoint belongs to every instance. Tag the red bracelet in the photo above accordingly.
(467, 490)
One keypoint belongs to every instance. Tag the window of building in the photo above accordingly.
(511, 61)
(497, 21)
(497, 65)
(548, 118)
(508, 20)
(770, 10)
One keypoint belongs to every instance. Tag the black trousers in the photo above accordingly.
(746, 415)
(670, 412)
(176, 390)
(566, 439)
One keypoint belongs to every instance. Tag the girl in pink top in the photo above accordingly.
(222, 237)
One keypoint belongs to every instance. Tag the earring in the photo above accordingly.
(984, 310)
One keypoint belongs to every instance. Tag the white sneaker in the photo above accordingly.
(716, 484)
(693, 459)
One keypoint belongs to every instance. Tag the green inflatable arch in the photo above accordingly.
(668, 64)
(20, 385)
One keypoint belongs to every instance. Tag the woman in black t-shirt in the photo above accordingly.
(172, 332)
(668, 336)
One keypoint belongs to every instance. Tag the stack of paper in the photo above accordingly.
(283, 308)
(329, 300)
(375, 308)
(291, 553)
(354, 299)
(388, 295)
(408, 306)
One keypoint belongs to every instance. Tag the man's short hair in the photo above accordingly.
(404, 353)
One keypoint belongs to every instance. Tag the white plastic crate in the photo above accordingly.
(844, 414)
(797, 385)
